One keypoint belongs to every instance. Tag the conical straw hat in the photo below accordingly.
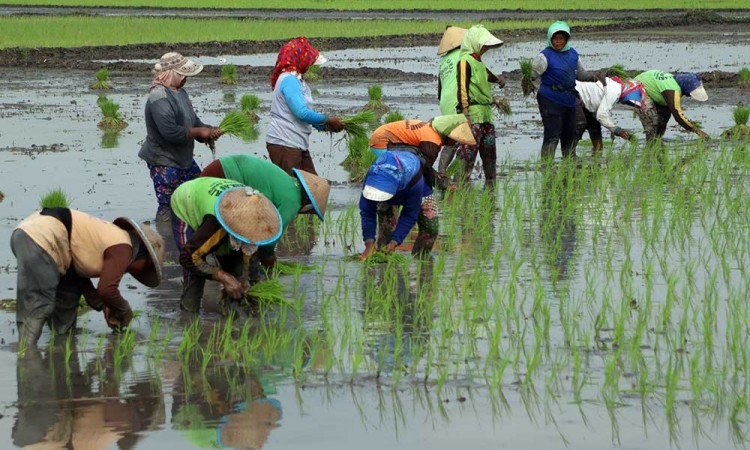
(451, 39)
(317, 190)
(154, 244)
(463, 135)
(249, 216)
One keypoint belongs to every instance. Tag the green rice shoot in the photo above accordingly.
(503, 107)
(237, 124)
(741, 115)
(393, 116)
(250, 102)
(354, 126)
(744, 77)
(102, 79)
(55, 198)
(618, 71)
(228, 74)
(291, 268)
(313, 73)
(359, 159)
(267, 291)
(375, 93)
(379, 257)
(111, 118)
(526, 76)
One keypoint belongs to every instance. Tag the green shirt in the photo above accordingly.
(448, 82)
(195, 199)
(474, 89)
(656, 82)
(284, 191)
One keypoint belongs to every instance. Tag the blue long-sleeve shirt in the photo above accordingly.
(292, 118)
(409, 196)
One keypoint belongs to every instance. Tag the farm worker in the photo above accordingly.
(395, 179)
(292, 117)
(559, 67)
(596, 103)
(172, 126)
(303, 193)
(450, 50)
(475, 100)
(424, 139)
(226, 219)
(664, 92)
(59, 250)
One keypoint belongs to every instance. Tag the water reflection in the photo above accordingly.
(110, 139)
(63, 405)
(225, 408)
(560, 208)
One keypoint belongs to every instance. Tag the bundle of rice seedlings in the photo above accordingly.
(289, 268)
(250, 104)
(618, 71)
(102, 79)
(744, 77)
(354, 126)
(393, 116)
(266, 291)
(527, 84)
(375, 94)
(502, 105)
(359, 159)
(228, 74)
(55, 198)
(385, 258)
(111, 119)
(237, 124)
(313, 73)
(740, 130)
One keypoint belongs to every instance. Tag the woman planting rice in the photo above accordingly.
(228, 220)
(303, 193)
(171, 128)
(395, 179)
(292, 117)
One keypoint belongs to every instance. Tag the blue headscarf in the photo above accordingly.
(688, 82)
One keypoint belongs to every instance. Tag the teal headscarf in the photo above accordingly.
(554, 28)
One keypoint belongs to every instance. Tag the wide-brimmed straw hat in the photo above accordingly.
(248, 215)
(178, 63)
(452, 38)
(317, 190)
(154, 245)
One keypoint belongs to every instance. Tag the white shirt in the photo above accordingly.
(600, 99)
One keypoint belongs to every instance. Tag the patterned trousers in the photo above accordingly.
(654, 119)
(166, 180)
(428, 224)
(484, 134)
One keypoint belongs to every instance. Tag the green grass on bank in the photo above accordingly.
(81, 31)
(401, 4)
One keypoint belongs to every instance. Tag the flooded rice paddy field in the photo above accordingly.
(590, 305)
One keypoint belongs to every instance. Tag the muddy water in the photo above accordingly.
(49, 139)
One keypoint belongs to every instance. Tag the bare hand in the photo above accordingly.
(369, 248)
(625, 134)
(334, 124)
(452, 187)
(216, 133)
(117, 321)
(501, 82)
(231, 285)
(391, 247)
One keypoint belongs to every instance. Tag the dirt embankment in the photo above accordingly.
(88, 58)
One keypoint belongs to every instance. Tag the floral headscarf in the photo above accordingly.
(296, 55)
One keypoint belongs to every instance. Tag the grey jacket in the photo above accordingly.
(169, 117)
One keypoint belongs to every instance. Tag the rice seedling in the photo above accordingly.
(250, 104)
(375, 103)
(617, 70)
(111, 118)
(740, 130)
(527, 83)
(54, 198)
(387, 258)
(290, 268)
(313, 73)
(237, 124)
(393, 116)
(267, 291)
(741, 115)
(744, 77)
(360, 158)
(355, 125)
(228, 74)
(102, 79)
(502, 106)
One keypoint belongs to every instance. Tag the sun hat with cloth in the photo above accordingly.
(178, 63)
(451, 40)
(632, 92)
(476, 38)
(317, 190)
(296, 55)
(558, 27)
(390, 173)
(456, 127)
(248, 216)
(691, 85)
(154, 244)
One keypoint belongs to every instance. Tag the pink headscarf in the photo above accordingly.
(169, 79)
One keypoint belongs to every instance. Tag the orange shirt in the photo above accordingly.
(409, 132)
